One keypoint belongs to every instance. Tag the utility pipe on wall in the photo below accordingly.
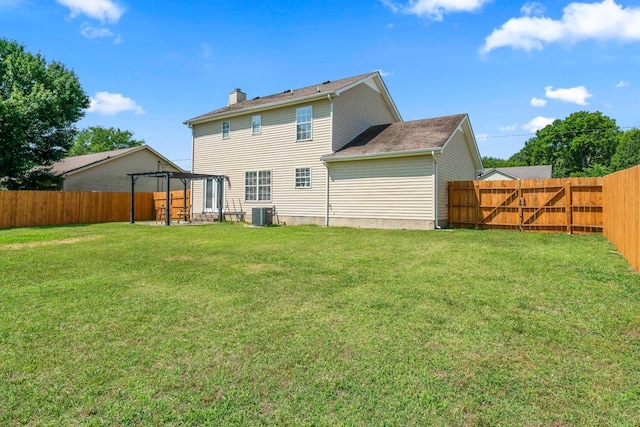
(435, 189)
(326, 213)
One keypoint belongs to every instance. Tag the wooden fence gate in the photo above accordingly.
(571, 205)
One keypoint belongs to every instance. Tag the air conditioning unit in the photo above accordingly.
(261, 216)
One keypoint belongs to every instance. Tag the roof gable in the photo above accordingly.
(70, 165)
(319, 90)
(402, 137)
(521, 172)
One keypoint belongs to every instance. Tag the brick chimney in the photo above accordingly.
(237, 96)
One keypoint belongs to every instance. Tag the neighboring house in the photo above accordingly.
(107, 171)
(335, 153)
(516, 172)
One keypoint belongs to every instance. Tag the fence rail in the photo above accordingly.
(622, 213)
(42, 208)
(572, 205)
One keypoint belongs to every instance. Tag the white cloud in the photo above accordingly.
(99, 32)
(537, 102)
(93, 33)
(608, 105)
(385, 73)
(508, 128)
(103, 10)
(606, 20)
(622, 83)
(575, 95)
(532, 9)
(435, 9)
(113, 103)
(537, 123)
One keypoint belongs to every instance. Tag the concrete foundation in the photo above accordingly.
(381, 223)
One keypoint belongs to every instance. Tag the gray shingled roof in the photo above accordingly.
(282, 97)
(70, 164)
(523, 172)
(403, 136)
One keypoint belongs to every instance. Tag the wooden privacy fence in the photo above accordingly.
(180, 209)
(622, 213)
(572, 205)
(41, 208)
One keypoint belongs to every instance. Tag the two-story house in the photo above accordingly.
(334, 153)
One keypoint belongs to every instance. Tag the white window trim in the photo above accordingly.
(310, 122)
(295, 179)
(253, 130)
(257, 186)
(228, 122)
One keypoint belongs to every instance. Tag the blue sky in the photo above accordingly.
(512, 66)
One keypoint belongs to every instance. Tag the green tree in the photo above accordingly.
(628, 151)
(583, 143)
(494, 162)
(40, 102)
(96, 139)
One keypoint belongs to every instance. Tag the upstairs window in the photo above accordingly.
(256, 124)
(226, 129)
(303, 123)
(303, 177)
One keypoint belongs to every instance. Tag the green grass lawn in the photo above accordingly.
(223, 324)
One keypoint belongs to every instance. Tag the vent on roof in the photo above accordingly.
(327, 82)
(287, 91)
(257, 97)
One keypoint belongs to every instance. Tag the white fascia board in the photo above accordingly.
(475, 145)
(497, 172)
(260, 108)
(109, 159)
(469, 136)
(386, 96)
(390, 154)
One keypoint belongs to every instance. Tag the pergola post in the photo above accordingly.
(220, 201)
(132, 208)
(167, 212)
(184, 201)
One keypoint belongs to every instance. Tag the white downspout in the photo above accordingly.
(326, 195)
(435, 190)
(193, 150)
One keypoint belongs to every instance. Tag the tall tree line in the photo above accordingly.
(582, 144)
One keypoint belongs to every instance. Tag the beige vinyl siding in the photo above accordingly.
(395, 188)
(355, 110)
(454, 164)
(274, 149)
(112, 175)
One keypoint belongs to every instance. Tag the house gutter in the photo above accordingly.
(266, 107)
(389, 154)
(326, 197)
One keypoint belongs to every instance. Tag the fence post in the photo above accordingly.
(477, 191)
(520, 216)
(569, 213)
